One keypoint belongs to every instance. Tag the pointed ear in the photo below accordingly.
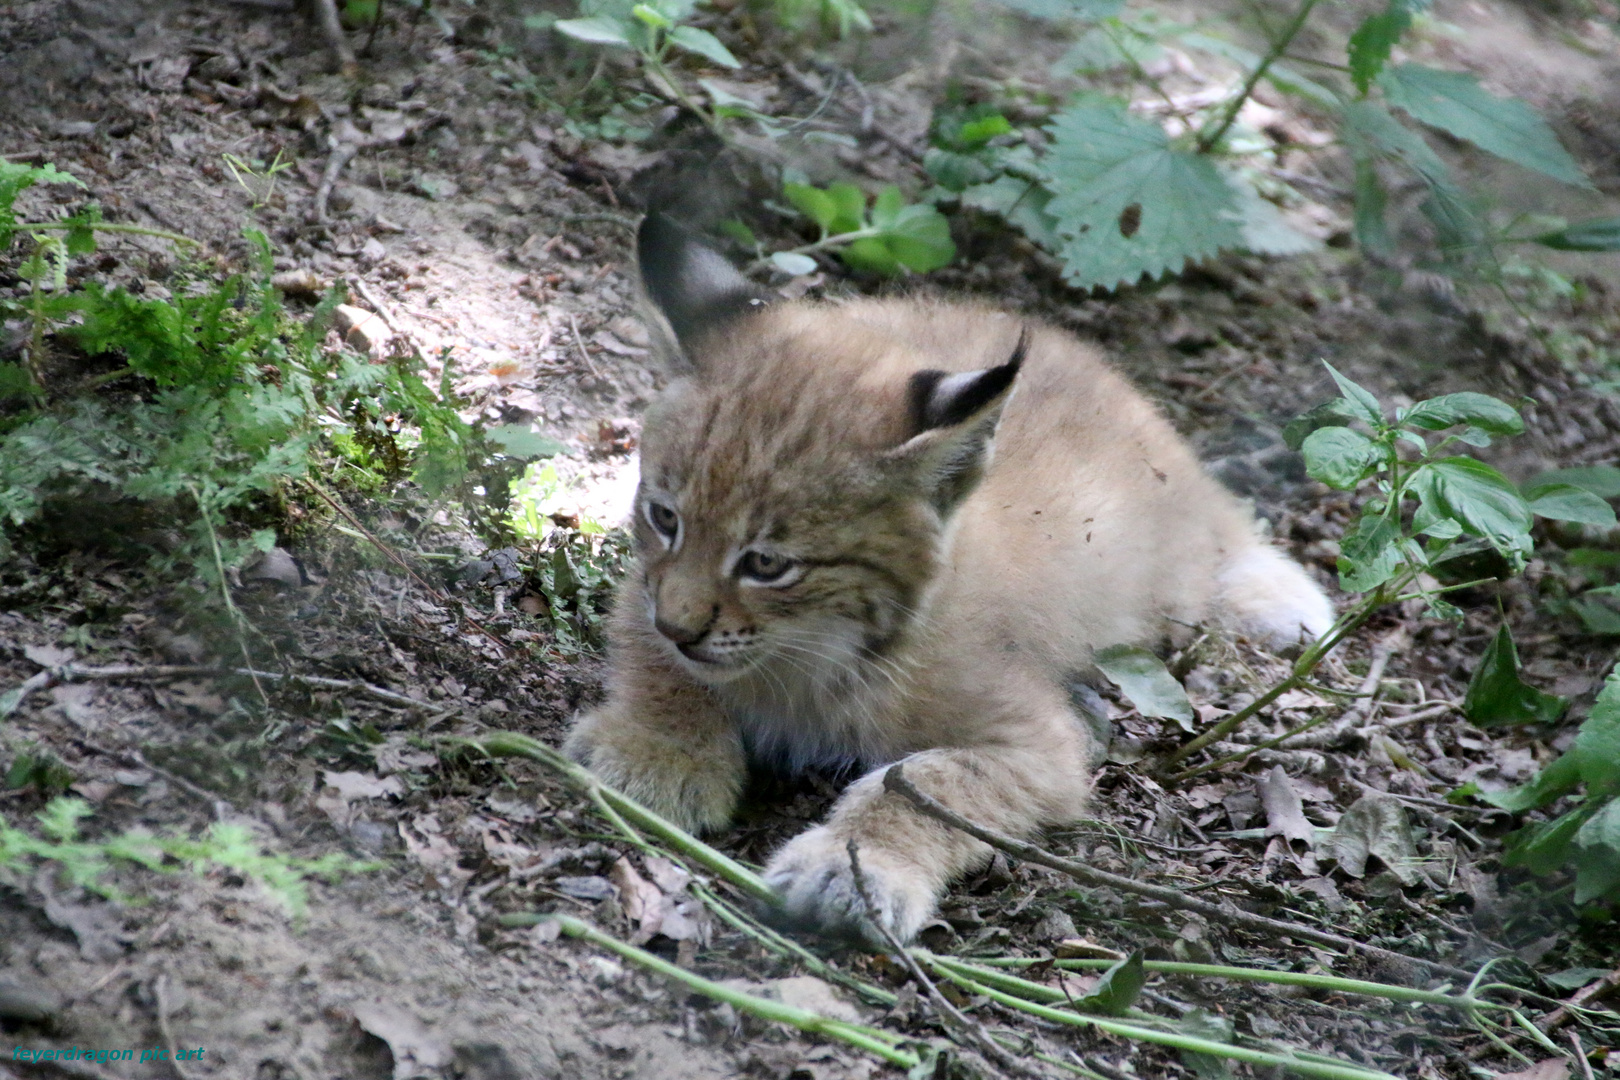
(953, 419)
(692, 286)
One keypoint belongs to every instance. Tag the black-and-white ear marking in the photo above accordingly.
(938, 399)
(694, 286)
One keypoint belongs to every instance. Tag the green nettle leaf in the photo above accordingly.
(1599, 234)
(1127, 203)
(1480, 410)
(704, 44)
(1597, 616)
(516, 440)
(1371, 133)
(1566, 502)
(1480, 499)
(1118, 988)
(1496, 695)
(1601, 480)
(1455, 103)
(1371, 205)
(1369, 556)
(1597, 858)
(598, 30)
(1022, 203)
(1372, 41)
(1144, 679)
(1338, 456)
(1265, 230)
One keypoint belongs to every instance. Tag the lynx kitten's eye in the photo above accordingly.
(764, 567)
(664, 518)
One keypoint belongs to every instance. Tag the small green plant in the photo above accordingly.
(575, 572)
(1428, 511)
(1586, 837)
(262, 187)
(887, 238)
(1120, 196)
(227, 847)
(653, 31)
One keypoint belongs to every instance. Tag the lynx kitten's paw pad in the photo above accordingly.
(812, 875)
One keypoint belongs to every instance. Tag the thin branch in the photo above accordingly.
(50, 677)
(1590, 992)
(326, 14)
(949, 1014)
(894, 780)
(1275, 53)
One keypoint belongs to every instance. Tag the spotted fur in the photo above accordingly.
(881, 531)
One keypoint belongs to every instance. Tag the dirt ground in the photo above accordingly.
(487, 226)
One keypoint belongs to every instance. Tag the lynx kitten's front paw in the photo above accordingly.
(812, 875)
(694, 790)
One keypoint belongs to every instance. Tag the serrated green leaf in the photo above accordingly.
(1601, 480)
(1455, 103)
(1480, 499)
(813, 203)
(1497, 695)
(1599, 234)
(955, 171)
(1566, 502)
(1596, 616)
(1361, 401)
(1265, 230)
(703, 44)
(1144, 679)
(1127, 203)
(1280, 76)
(1370, 555)
(597, 30)
(1372, 41)
(1480, 410)
(1022, 203)
(1338, 456)
(1370, 227)
(1370, 133)
(1547, 786)
(516, 440)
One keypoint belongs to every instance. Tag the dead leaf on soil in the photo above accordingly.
(76, 701)
(415, 1049)
(48, 656)
(98, 926)
(1551, 1069)
(1375, 825)
(425, 841)
(1285, 814)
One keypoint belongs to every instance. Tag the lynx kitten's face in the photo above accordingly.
(776, 522)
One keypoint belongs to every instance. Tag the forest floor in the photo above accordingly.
(493, 230)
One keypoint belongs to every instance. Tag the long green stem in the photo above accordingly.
(884, 1044)
(513, 744)
(1325, 983)
(1275, 53)
(1312, 1067)
(826, 243)
(104, 226)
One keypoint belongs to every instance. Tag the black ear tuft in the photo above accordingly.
(938, 399)
(693, 286)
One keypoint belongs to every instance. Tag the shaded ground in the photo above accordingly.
(488, 231)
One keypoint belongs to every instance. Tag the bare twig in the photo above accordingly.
(949, 1014)
(342, 153)
(1580, 1055)
(378, 305)
(326, 14)
(894, 780)
(584, 353)
(151, 672)
(160, 989)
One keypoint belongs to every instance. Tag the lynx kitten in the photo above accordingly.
(895, 530)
